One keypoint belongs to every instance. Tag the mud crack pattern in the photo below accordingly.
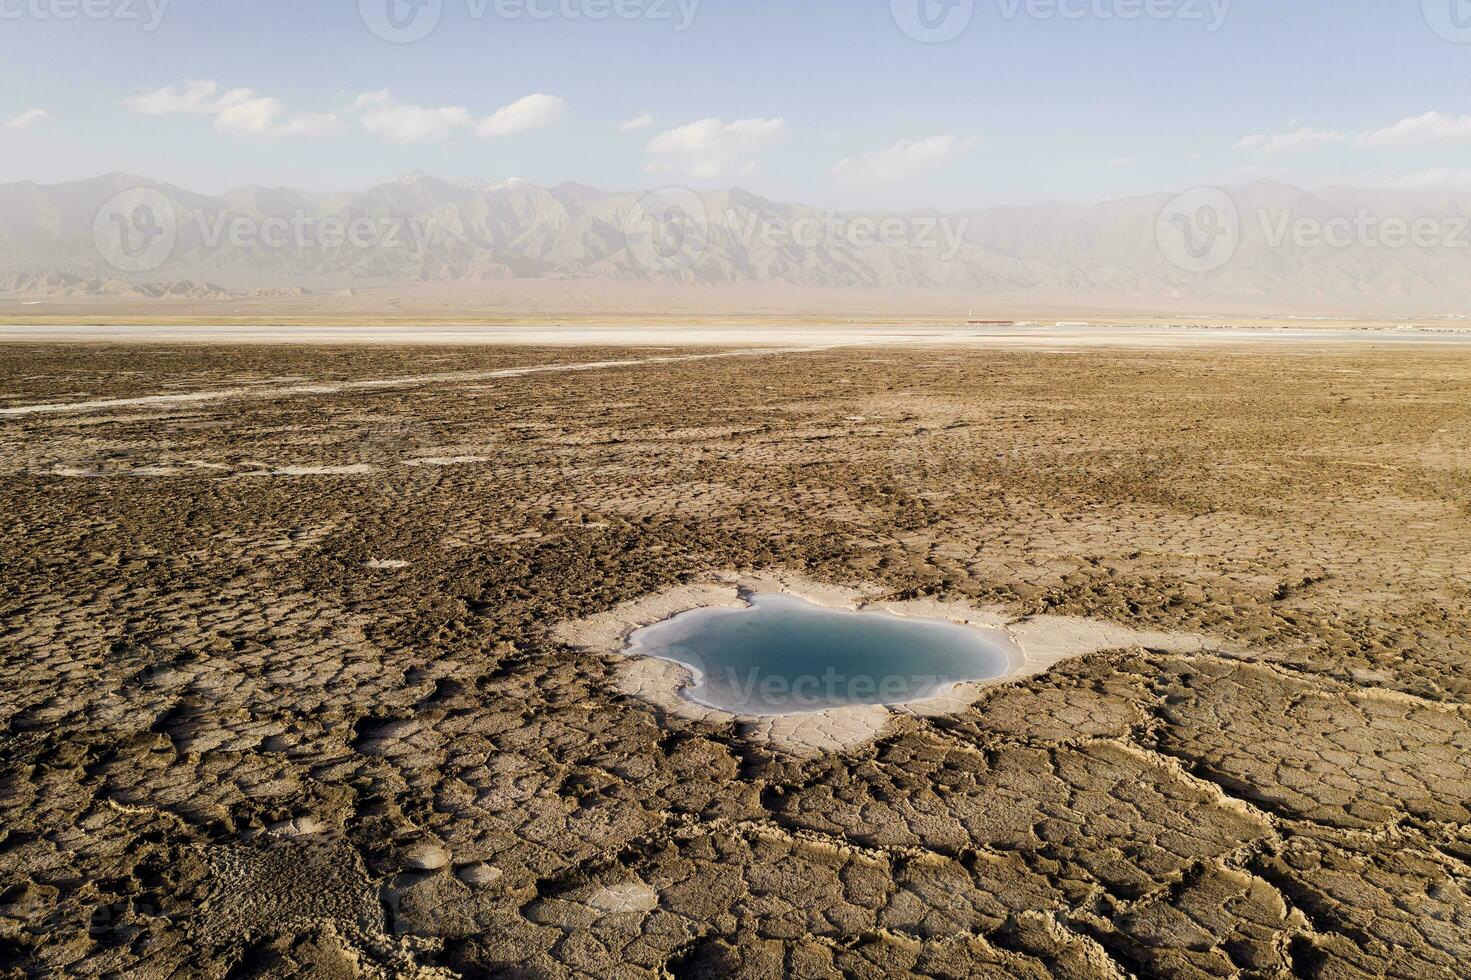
(280, 695)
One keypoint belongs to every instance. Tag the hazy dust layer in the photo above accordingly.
(280, 694)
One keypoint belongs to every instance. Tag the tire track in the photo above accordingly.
(380, 384)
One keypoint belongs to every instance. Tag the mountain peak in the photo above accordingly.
(475, 231)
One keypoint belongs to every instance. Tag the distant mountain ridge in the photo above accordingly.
(421, 229)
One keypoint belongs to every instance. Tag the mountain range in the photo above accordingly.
(64, 240)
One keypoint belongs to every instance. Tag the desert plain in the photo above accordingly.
(289, 686)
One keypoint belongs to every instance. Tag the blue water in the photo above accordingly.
(782, 655)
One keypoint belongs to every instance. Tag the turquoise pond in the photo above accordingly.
(782, 655)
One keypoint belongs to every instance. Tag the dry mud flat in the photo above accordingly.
(282, 693)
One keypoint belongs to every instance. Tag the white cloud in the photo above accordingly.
(1426, 130)
(312, 124)
(238, 112)
(402, 123)
(533, 112)
(643, 120)
(381, 116)
(709, 148)
(28, 118)
(198, 97)
(243, 113)
(1298, 141)
(905, 160)
(1117, 163)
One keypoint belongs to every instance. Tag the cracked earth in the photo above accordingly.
(287, 689)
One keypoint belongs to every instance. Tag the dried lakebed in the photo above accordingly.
(370, 724)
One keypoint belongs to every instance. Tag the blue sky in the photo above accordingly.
(824, 101)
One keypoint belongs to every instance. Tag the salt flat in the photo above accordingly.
(704, 334)
(333, 719)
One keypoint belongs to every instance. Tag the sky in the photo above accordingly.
(838, 103)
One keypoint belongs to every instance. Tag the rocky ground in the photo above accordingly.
(280, 695)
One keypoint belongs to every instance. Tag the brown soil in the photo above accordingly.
(234, 747)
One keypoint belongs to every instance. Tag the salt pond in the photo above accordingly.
(781, 655)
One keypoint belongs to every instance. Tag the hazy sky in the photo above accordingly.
(831, 102)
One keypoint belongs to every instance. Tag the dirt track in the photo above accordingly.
(231, 745)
